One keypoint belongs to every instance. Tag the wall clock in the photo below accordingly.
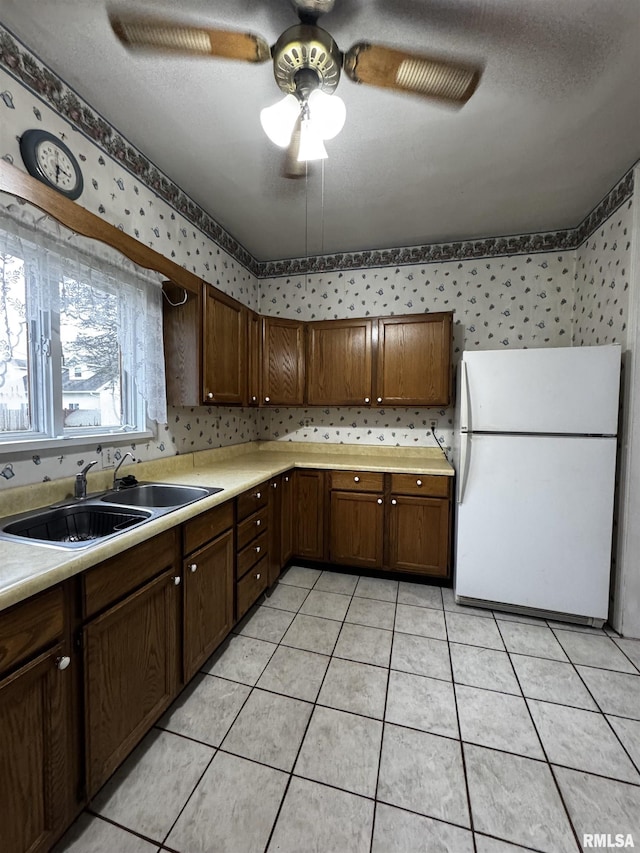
(50, 161)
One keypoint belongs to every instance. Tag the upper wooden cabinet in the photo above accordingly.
(205, 345)
(254, 357)
(413, 364)
(283, 366)
(339, 363)
(224, 372)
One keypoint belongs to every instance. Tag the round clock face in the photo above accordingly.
(49, 160)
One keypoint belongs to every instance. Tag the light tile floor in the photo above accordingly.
(360, 715)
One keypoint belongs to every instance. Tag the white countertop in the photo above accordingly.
(26, 569)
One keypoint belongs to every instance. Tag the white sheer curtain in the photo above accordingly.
(52, 252)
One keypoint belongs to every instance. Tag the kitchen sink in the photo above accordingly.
(74, 525)
(158, 495)
(81, 523)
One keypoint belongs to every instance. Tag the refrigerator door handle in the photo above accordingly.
(465, 407)
(465, 448)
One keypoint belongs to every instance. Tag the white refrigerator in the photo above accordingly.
(535, 480)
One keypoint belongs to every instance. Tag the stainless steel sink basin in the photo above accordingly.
(158, 495)
(74, 525)
(80, 524)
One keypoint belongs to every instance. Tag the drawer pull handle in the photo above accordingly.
(379, 399)
(367, 399)
(258, 576)
(63, 662)
(394, 502)
(193, 567)
(258, 548)
(176, 580)
(418, 482)
(210, 396)
(356, 479)
(379, 500)
(258, 522)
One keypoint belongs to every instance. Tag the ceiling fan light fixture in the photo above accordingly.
(279, 120)
(328, 113)
(311, 144)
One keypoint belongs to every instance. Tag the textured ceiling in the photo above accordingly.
(553, 125)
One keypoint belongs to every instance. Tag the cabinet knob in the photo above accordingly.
(258, 522)
(274, 485)
(367, 399)
(63, 662)
(379, 500)
(378, 399)
(210, 396)
(394, 501)
(193, 567)
(258, 549)
(286, 479)
(258, 495)
(176, 580)
(418, 482)
(356, 479)
(267, 399)
(258, 576)
(253, 399)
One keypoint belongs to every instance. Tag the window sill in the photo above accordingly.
(110, 439)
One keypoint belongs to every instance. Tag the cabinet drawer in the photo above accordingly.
(252, 553)
(250, 587)
(30, 626)
(251, 527)
(203, 528)
(252, 501)
(357, 481)
(115, 578)
(421, 484)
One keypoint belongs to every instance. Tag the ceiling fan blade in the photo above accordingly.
(383, 66)
(165, 35)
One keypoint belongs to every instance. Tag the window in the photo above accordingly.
(80, 336)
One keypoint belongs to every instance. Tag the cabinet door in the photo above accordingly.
(286, 516)
(339, 363)
(282, 362)
(254, 355)
(308, 518)
(208, 601)
(182, 330)
(130, 665)
(224, 358)
(34, 754)
(419, 535)
(356, 529)
(413, 366)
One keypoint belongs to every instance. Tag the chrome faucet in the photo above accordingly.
(115, 473)
(80, 485)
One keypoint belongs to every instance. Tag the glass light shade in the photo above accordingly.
(279, 120)
(311, 144)
(327, 112)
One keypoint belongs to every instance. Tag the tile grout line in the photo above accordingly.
(461, 742)
(548, 763)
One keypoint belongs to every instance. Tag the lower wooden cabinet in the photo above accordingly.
(308, 514)
(131, 673)
(399, 522)
(207, 572)
(208, 601)
(286, 519)
(34, 753)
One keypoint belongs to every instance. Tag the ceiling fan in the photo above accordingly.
(306, 64)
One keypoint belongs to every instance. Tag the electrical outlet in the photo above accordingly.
(108, 460)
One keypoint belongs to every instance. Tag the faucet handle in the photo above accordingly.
(87, 467)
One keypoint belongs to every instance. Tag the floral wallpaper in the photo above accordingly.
(530, 290)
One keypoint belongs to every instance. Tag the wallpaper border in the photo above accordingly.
(25, 67)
